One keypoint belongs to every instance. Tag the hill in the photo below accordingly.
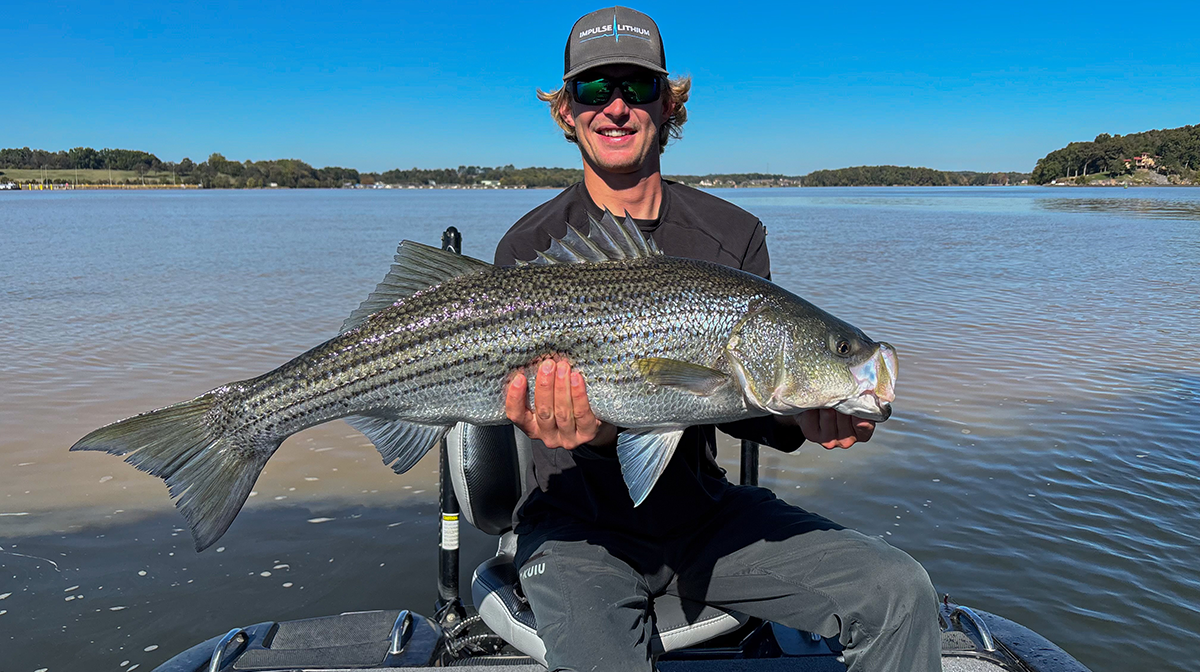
(1173, 153)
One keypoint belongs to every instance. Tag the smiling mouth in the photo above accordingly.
(615, 132)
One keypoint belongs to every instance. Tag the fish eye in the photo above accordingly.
(843, 347)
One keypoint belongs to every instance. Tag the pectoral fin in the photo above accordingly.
(697, 379)
(644, 454)
(402, 444)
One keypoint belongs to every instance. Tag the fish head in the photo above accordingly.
(791, 357)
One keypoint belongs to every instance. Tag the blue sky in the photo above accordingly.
(786, 88)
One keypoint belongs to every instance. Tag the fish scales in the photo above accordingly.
(661, 342)
(475, 330)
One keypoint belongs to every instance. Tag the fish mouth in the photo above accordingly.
(876, 378)
(866, 406)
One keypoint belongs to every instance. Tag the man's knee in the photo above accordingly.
(901, 588)
(575, 587)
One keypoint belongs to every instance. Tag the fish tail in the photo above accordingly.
(208, 474)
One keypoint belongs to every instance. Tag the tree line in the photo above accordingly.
(1176, 151)
(84, 158)
(220, 172)
(882, 176)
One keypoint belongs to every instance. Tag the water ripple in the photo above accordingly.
(1042, 459)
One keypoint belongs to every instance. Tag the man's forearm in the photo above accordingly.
(772, 430)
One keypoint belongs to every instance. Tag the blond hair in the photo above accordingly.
(676, 91)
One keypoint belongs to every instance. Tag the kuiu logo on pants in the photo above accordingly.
(533, 570)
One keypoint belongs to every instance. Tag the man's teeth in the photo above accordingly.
(616, 132)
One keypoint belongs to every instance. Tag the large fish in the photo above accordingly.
(662, 342)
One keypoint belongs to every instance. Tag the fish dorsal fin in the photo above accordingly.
(644, 454)
(417, 267)
(608, 239)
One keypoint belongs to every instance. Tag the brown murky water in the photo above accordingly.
(1041, 464)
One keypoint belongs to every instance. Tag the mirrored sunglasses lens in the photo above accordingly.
(594, 92)
(641, 91)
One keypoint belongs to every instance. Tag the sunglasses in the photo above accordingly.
(635, 90)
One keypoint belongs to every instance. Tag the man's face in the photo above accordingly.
(615, 136)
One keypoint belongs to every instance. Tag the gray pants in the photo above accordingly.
(758, 556)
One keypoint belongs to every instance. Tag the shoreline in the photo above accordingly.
(196, 187)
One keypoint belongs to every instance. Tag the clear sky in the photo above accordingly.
(785, 88)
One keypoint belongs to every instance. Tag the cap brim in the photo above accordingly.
(614, 60)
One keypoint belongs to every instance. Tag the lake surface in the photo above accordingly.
(1042, 461)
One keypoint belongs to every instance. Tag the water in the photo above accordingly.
(1041, 463)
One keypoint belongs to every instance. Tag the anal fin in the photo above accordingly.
(401, 443)
(644, 454)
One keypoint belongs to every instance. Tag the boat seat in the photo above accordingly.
(488, 467)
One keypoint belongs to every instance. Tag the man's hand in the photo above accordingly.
(832, 429)
(561, 416)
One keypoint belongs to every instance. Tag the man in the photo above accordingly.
(696, 535)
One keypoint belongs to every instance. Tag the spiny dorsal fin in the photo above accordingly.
(608, 239)
(417, 267)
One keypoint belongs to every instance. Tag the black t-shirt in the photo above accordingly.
(585, 484)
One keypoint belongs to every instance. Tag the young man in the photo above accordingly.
(696, 535)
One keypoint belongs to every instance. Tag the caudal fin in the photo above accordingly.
(208, 475)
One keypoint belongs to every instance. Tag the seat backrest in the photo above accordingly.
(487, 467)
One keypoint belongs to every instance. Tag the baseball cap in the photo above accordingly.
(614, 35)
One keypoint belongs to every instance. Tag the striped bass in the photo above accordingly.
(662, 342)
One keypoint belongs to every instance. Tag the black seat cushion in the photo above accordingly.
(487, 469)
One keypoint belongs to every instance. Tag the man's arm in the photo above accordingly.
(823, 426)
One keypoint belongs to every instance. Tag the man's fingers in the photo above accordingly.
(515, 405)
(845, 430)
(810, 425)
(543, 399)
(579, 402)
(564, 415)
(832, 429)
(864, 429)
(828, 432)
